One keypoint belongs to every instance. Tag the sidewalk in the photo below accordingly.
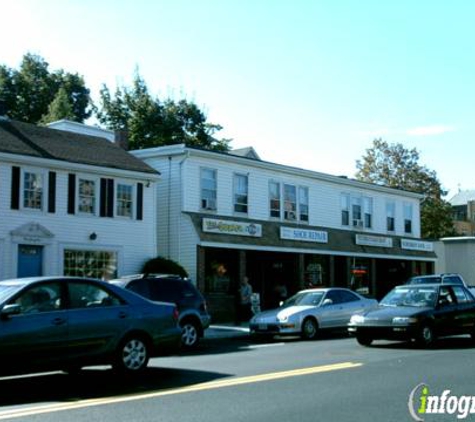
(226, 330)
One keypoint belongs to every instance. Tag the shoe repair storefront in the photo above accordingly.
(281, 259)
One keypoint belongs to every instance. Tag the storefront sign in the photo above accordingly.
(377, 241)
(417, 245)
(304, 235)
(238, 228)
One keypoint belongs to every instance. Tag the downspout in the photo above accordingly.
(169, 217)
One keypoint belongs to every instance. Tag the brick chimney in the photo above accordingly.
(121, 138)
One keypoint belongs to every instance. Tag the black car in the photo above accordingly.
(193, 314)
(420, 312)
(65, 323)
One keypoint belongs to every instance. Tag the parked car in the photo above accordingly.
(193, 313)
(444, 278)
(65, 323)
(309, 311)
(420, 312)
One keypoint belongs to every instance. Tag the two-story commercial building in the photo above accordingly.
(226, 215)
(72, 203)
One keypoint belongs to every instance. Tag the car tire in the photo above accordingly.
(132, 355)
(364, 340)
(190, 334)
(309, 329)
(426, 336)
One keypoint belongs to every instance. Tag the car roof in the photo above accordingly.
(416, 286)
(127, 278)
(324, 289)
(30, 280)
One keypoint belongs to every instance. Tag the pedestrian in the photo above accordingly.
(245, 292)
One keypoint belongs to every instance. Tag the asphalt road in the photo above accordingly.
(331, 379)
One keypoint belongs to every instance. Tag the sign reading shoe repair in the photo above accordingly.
(238, 228)
(304, 235)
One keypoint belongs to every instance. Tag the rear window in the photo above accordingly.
(422, 280)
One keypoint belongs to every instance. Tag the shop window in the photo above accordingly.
(390, 216)
(345, 209)
(368, 212)
(240, 193)
(407, 218)
(316, 271)
(290, 202)
(208, 189)
(90, 263)
(303, 203)
(360, 276)
(274, 199)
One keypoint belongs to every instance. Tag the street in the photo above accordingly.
(235, 379)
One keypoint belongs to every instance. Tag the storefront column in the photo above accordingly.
(331, 270)
(201, 272)
(373, 275)
(301, 271)
(242, 266)
(349, 267)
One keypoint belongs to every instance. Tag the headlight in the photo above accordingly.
(404, 320)
(282, 318)
(357, 319)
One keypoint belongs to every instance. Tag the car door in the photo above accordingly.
(97, 319)
(352, 304)
(446, 312)
(332, 314)
(465, 316)
(37, 334)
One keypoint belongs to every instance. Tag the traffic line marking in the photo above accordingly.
(231, 382)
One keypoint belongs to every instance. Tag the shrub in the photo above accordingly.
(160, 265)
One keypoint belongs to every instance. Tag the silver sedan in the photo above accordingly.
(310, 310)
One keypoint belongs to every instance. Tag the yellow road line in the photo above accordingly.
(50, 408)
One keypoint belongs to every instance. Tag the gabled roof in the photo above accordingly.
(42, 142)
(463, 197)
(248, 152)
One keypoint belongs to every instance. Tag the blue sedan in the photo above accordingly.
(65, 323)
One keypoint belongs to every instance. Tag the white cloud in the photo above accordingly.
(430, 130)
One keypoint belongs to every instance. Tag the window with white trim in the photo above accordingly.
(390, 216)
(274, 199)
(303, 203)
(290, 202)
(208, 178)
(241, 182)
(345, 209)
(87, 196)
(90, 263)
(33, 190)
(124, 200)
(368, 212)
(408, 218)
(356, 210)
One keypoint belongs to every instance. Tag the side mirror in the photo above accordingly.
(9, 310)
(327, 302)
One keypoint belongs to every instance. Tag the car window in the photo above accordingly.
(335, 296)
(45, 297)
(453, 280)
(446, 296)
(188, 290)
(461, 295)
(86, 295)
(348, 296)
(140, 287)
(425, 279)
(164, 289)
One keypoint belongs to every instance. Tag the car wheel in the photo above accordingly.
(189, 334)
(132, 355)
(364, 340)
(426, 336)
(309, 329)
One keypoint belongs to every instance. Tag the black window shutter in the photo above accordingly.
(103, 200)
(110, 197)
(139, 201)
(15, 196)
(71, 194)
(52, 192)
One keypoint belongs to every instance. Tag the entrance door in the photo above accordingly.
(30, 260)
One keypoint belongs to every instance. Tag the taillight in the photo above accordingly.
(175, 314)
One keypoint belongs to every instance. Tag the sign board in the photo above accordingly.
(238, 228)
(377, 241)
(305, 235)
(417, 245)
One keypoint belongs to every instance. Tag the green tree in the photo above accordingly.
(29, 91)
(151, 122)
(60, 108)
(394, 166)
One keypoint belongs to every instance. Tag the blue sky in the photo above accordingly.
(307, 83)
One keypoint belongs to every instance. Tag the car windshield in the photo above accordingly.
(304, 298)
(7, 290)
(420, 297)
(422, 280)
